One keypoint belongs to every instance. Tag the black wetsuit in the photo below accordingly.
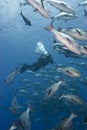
(42, 61)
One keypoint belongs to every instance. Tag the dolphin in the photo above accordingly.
(36, 5)
(27, 22)
(65, 39)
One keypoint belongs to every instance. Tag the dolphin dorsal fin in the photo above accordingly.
(85, 12)
(42, 4)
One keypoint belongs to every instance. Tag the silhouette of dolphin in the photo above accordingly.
(27, 22)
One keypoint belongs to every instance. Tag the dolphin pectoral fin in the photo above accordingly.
(35, 10)
(61, 11)
(59, 28)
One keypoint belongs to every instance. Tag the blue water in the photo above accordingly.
(17, 46)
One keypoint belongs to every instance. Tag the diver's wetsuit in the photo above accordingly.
(42, 61)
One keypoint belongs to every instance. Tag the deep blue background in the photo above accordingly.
(17, 46)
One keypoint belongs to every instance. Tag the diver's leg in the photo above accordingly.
(24, 68)
(34, 67)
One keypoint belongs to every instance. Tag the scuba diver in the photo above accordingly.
(42, 61)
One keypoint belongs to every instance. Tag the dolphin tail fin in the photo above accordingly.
(85, 12)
